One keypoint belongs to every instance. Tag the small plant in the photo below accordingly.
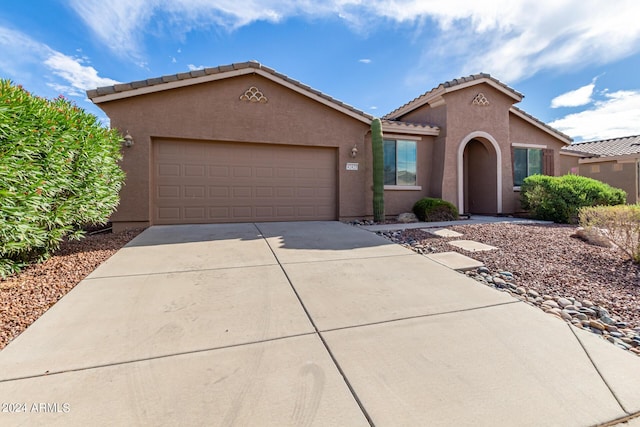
(620, 225)
(58, 172)
(378, 170)
(558, 198)
(431, 209)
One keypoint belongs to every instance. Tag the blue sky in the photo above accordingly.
(576, 61)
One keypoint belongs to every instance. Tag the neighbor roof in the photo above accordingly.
(606, 147)
(453, 85)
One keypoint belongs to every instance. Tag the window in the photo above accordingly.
(399, 162)
(526, 162)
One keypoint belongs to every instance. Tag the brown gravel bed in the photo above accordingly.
(26, 296)
(548, 259)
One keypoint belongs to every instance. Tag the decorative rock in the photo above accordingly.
(609, 327)
(587, 311)
(565, 315)
(571, 307)
(407, 217)
(550, 303)
(597, 325)
(587, 303)
(577, 303)
(581, 316)
(616, 334)
(593, 236)
(621, 324)
(484, 270)
(499, 282)
(547, 297)
(563, 302)
(607, 320)
(533, 293)
(521, 291)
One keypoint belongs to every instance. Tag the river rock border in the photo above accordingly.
(582, 314)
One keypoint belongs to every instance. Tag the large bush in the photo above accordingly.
(558, 198)
(431, 209)
(58, 173)
(620, 225)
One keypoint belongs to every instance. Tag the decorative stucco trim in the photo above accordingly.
(480, 100)
(253, 94)
(460, 175)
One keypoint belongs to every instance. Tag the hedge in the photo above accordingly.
(558, 198)
(432, 209)
(58, 173)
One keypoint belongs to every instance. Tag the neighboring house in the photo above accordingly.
(243, 142)
(614, 161)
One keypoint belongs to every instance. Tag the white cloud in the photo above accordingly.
(365, 60)
(27, 61)
(79, 77)
(510, 39)
(194, 68)
(575, 98)
(615, 116)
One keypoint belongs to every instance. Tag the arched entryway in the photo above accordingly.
(479, 175)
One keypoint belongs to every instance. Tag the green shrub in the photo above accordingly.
(58, 173)
(558, 198)
(620, 225)
(430, 209)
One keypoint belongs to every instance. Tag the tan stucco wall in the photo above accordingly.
(458, 119)
(568, 163)
(213, 111)
(618, 175)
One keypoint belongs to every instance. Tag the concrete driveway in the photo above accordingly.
(315, 323)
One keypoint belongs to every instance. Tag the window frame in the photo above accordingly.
(397, 186)
(528, 148)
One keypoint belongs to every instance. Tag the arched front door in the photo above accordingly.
(479, 175)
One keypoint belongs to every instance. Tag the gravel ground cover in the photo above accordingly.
(26, 296)
(547, 259)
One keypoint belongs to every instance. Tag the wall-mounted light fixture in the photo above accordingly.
(354, 151)
(128, 140)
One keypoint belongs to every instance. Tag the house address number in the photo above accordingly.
(352, 166)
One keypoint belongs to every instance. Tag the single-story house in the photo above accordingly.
(243, 142)
(614, 161)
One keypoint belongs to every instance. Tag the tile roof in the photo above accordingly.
(606, 147)
(447, 87)
(149, 84)
(125, 90)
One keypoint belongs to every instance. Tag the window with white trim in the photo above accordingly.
(526, 162)
(400, 162)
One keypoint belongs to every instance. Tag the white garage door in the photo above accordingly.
(209, 182)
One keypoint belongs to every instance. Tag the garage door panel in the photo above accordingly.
(200, 182)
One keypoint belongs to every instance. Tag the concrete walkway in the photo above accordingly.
(316, 323)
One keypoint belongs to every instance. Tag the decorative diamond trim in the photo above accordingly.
(253, 94)
(480, 100)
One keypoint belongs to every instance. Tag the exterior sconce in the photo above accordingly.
(354, 151)
(128, 140)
